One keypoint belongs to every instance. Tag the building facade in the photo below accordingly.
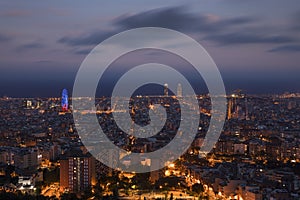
(77, 172)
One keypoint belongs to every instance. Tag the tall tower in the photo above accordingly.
(64, 100)
(77, 171)
(179, 90)
(229, 112)
(166, 90)
(246, 109)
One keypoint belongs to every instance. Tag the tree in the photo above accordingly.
(142, 181)
(51, 176)
(98, 191)
(87, 193)
(115, 192)
(69, 196)
(198, 188)
(171, 197)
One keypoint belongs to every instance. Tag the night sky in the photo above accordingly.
(255, 44)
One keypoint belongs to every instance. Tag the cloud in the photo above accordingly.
(286, 48)
(82, 51)
(93, 38)
(33, 45)
(174, 18)
(177, 18)
(4, 38)
(295, 21)
(15, 13)
(44, 62)
(245, 38)
(221, 30)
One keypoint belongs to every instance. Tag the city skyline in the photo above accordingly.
(256, 157)
(153, 100)
(43, 44)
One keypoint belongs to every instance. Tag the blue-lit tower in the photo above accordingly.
(64, 100)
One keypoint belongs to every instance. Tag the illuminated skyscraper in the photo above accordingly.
(237, 106)
(77, 171)
(166, 90)
(64, 100)
(246, 109)
(179, 90)
(229, 112)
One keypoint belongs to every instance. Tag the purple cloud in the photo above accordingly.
(15, 13)
(4, 37)
(33, 45)
(286, 48)
(245, 38)
(177, 18)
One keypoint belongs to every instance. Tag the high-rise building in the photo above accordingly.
(179, 90)
(27, 104)
(229, 112)
(77, 171)
(64, 100)
(246, 109)
(109, 156)
(238, 106)
(166, 90)
(154, 174)
(26, 158)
